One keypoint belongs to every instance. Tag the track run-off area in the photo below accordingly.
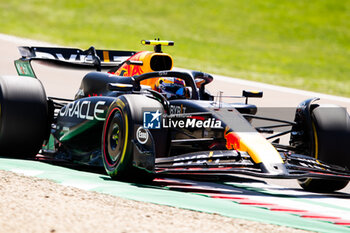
(240, 198)
(280, 202)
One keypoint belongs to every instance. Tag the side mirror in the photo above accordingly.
(252, 94)
(120, 87)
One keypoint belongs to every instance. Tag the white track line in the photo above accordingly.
(279, 88)
(24, 41)
(27, 172)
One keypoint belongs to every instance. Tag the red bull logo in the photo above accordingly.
(232, 139)
(131, 70)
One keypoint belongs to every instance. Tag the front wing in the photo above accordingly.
(231, 162)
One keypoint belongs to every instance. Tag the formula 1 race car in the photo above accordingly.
(141, 119)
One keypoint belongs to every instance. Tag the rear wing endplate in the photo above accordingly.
(69, 57)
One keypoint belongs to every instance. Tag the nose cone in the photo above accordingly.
(259, 149)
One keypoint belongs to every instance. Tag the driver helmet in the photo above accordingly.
(171, 88)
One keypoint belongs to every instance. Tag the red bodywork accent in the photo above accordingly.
(130, 70)
(232, 140)
(197, 118)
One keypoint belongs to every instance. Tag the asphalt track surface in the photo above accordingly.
(322, 208)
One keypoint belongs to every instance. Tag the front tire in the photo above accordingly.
(330, 130)
(116, 143)
(322, 185)
(124, 115)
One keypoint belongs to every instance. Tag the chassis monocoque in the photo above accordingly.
(135, 132)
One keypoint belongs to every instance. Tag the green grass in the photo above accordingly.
(297, 43)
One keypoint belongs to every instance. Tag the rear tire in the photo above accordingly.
(116, 144)
(23, 116)
(331, 127)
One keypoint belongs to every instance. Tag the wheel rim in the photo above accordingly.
(114, 138)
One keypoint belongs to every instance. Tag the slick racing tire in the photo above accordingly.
(23, 116)
(331, 132)
(118, 135)
(322, 185)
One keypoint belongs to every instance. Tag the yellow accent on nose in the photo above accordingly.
(259, 149)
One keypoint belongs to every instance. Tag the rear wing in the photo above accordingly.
(69, 57)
